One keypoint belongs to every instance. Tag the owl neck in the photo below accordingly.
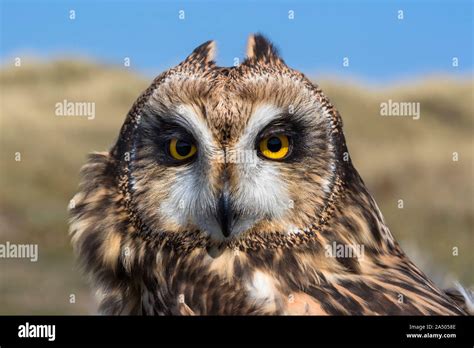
(353, 217)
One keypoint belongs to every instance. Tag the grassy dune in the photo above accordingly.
(399, 158)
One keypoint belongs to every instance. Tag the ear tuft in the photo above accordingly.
(203, 54)
(261, 49)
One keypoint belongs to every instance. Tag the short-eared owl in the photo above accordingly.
(231, 191)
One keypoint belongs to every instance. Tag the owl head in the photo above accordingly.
(230, 155)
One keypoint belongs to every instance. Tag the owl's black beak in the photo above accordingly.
(224, 213)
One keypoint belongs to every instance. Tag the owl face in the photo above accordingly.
(229, 153)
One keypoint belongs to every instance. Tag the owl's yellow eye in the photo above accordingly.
(274, 146)
(181, 149)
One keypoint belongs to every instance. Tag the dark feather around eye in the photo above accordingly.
(156, 136)
(291, 126)
(287, 124)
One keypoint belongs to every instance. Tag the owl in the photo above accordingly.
(230, 191)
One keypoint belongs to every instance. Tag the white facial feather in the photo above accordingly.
(190, 120)
(260, 192)
(191, 199)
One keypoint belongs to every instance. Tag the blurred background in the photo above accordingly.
(362, 54)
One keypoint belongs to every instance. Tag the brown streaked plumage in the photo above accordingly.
(216, 235)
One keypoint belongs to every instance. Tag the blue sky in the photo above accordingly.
(380, 47)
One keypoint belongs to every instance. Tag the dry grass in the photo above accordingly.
(399, 158)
